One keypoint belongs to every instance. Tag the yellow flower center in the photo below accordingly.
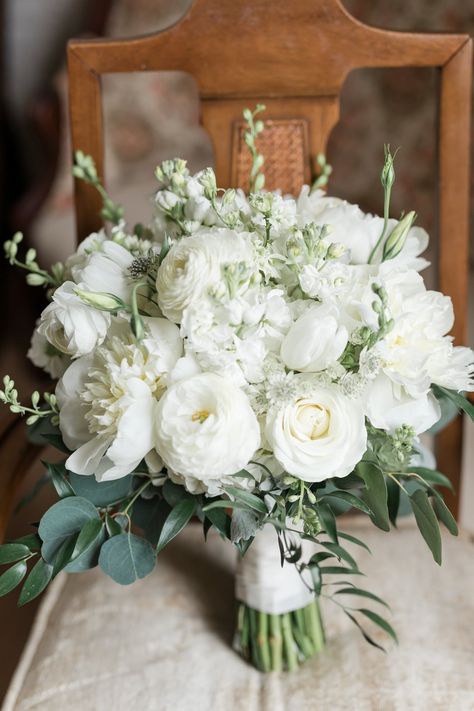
(313, 420)
(200, 416)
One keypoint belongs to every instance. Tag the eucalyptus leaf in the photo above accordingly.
(349, 498)
(112, 525)
(36, 582)
(61, 521)
(57, 472)
(150, 515)
(220, 520)
(101, 493)
(432, 476)
(64, 554)
(427, 522)
(176, 520)
(11, 552)
(393, 500)
(31, 541)
(445, 515)
(12, 577)
(126, 558)
(328, 519)
(87, 537)
(375, 493)
(174, 493)
(461, 402)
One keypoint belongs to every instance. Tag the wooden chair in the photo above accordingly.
(294, 57)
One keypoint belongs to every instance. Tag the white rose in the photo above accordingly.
(315, 340)
(45, 356)
(193, 265)
(105, 269)
(71, 326)
(206, 428)
(388, 406)
(319, 436)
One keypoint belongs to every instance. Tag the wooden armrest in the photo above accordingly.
(16, 455)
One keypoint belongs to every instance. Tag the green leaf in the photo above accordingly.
(432, 476)
(12, 577)
(445, 515)
(349, 499)
(353, 539)
(393, 500)
(61, 521)
(112, 525)
(375, 493)
(150, 515)
(339, 570)
(225, 504)
(316, 578)
(329, 521)
(31, 541)
(64, 553)
(252, 501)
(243, 526)
(101, 493)
(173, 493)
(11, 552)
(383, 624)
(126, 558)
(56, 441)
(88, 535)
(36, 582)
(339, 552)
(461, 402)
(366, 636)
(57, 472)
(220, 520)
(175, 522)
(361, 593)
(427, 522)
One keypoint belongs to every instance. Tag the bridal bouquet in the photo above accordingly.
(261, 363)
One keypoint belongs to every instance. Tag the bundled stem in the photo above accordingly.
(279, 642)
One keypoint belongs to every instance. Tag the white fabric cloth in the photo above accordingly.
(263, 584)
(165, 643)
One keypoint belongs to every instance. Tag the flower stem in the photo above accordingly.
(289, 642)
(263, 644)
(276, 643)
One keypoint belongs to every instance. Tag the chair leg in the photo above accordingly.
(449, 460)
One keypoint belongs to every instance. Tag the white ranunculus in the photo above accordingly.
(45, 356)
(452, 367)
(206, 428)
(71, 326)
(107, 401)
(319, 436)
(194, 264)
(388, 406)
(315, 340)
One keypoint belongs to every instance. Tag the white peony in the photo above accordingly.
(193, 265)
(206, 428)
(71, 326)
(318, 436)
(315, 340)
(107, 401)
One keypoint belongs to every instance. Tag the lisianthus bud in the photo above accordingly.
(100, 300)
(397, 238)
(387, 177)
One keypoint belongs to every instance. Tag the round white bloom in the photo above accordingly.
(319, 436)
(45, 356)
(315, 340)
(71, 326)
(193, 265)
(105, 269)
(205, 428)
(107, 401)
(388, 406)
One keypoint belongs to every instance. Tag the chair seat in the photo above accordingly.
(165, 642)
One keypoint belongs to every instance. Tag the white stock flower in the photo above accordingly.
(318, 436)
(315, 340)
(45, 356)
(71, 326)
(107, 401)
(194, 264)
(205, 428)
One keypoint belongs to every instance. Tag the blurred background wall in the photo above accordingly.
(151, 117)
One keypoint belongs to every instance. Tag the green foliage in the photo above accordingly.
(11, 552)
(254, 128)
(64, 519)
(35, 276)
(375, 493)
(427, 522)
(85, 169)
(36, 582)
(125, 558)
(150, 515)
(12, 577)
(102, 493)
(461, 402)
(176, 520)
(9, 396)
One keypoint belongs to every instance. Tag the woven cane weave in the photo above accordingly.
(284, 147)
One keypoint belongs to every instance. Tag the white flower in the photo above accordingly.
(318, 436)
(193, 265)
(44, 355)
(452, 367)
(105, 269)
(388, 406)
(315, 340)
(205, 428)
(71, 326)
(107, 401)
(325, 282)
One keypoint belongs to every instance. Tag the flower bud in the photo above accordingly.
(397, 238)
(100, 300)
(387, 177)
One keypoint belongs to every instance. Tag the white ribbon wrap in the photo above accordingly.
(263, 584)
